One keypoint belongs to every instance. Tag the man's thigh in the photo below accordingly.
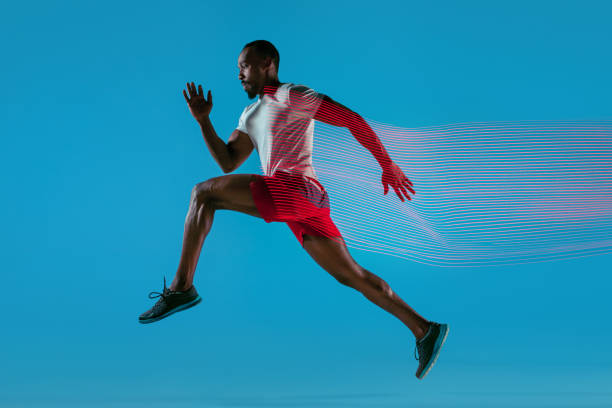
(229, 192)
(332, 255)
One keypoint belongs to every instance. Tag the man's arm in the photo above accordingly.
(240, 147)
(231, 155)
(217, 147)
(336, 114)
(228, 156)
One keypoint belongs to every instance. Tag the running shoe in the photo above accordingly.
(429, 348)
(170, 301)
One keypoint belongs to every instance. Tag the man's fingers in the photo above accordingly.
(195, 91)
(406, 194)
(209, 97)
(398, 193)
(189, 90)
(403, 191)
(410, 189)
(186, 97)
(408, 184)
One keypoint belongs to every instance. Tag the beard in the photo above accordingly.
(250, 91)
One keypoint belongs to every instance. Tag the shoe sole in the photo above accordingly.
(436, 352)
(176, 309)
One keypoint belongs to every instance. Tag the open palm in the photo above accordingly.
(198, 106)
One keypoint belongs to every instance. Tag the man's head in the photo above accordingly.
(258, 66)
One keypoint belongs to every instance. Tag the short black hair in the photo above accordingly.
(265, 49)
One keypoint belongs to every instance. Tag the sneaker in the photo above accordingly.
(429, 348)
(170, 301)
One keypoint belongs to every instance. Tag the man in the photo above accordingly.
(280, 126)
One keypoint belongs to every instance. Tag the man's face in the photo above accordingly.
(251, 72)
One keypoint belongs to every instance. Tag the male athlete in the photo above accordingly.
(280, 126)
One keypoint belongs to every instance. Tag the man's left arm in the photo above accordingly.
(336, 114)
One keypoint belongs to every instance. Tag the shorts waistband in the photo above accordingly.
(306, 178)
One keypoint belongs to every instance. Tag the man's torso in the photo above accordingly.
(281, 128)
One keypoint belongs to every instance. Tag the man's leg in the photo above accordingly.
(229, 192)
(333, 256)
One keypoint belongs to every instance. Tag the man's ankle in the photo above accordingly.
(424, 331)
(180, 287)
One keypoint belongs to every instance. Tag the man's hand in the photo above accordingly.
(394, 176)
(198, 106)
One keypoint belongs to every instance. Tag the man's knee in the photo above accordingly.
(363, 280)
(203, 193)
(371, 280)
(351, 275)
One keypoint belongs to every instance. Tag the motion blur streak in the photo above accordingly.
(486, 193)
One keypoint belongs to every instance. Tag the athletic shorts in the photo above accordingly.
(299, 201)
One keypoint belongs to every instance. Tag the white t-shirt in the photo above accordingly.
(281, 128)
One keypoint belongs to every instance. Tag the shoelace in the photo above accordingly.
(160, 294)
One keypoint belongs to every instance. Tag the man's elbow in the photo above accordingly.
(355, 123)
(228, 169)
(228, 165)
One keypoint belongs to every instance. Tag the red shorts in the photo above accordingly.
(295, 200)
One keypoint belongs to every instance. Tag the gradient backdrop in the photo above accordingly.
(100, 154)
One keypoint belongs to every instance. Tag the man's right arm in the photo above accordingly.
(231, 155)
(228, 156)
(240, 147)
(218, 149)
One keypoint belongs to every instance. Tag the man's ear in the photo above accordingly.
(267, 62)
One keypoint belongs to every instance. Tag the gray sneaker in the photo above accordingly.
(170, 301)
(429, 348)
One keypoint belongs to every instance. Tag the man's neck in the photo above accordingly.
(270, 86)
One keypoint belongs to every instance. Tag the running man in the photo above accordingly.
(280, 126)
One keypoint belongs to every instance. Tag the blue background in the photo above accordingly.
(100, 154)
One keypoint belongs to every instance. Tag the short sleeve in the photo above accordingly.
(241, 122)
(304, 101)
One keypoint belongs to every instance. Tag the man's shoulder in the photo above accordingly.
(298, 87)
(302, 93)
